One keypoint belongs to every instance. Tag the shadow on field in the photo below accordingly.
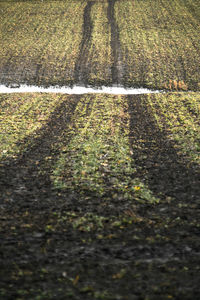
(22, 177)
(167, 173)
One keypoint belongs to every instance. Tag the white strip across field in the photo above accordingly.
(115, 90)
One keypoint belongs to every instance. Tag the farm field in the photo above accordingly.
(152, 44)
(100, 193)
(99, 196)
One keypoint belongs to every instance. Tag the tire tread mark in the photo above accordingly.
(81, 66)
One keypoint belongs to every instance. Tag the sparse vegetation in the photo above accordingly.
(67, 42)
(160, 43)
(40, 41)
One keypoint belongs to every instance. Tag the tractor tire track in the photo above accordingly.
(117, 67)
(82, 64)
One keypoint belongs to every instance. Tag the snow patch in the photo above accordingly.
(78, 90)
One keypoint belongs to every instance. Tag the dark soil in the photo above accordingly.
(154, 257)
